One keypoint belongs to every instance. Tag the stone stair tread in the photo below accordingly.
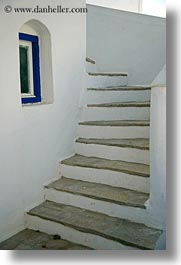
(117, 123)
(138, 143)
(35, 240)
(121, 104)
(121, 88)
(90, 60)
(106, 164)
(119, 230)
(110, 74)
(103, 192)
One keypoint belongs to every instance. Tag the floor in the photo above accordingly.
(35, 240)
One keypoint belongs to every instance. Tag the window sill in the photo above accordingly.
(36, 104)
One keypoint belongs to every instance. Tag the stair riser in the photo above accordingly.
(109, 177)
(96, 97)
(130, 213)
(119, 113)
(105, 81)
(110, 132)
(71, 234)
(113, 152)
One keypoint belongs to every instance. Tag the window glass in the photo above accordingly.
(24, 69)
(29, 68)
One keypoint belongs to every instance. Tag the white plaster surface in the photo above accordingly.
(109, 132)
(105, 81)
(34, 139)
(157, 202)
(128, 42)
(120, 113)
(99, 97)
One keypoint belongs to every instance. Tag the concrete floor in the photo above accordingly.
(35, 240)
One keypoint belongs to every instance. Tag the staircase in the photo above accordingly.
(99, 201)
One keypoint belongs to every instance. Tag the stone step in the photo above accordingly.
(117, 111)
(138, 143)
(131, 150)
(116, 173)
(121, 88)
(91, 65)
(114, 129)
(35, 240)
(113, 201)
(101, 192)
(110, 74)
(118, 123)
(123, 94)
(89, 60)
(121, 104)
(79, 225)
(105, 79)
(115, 165)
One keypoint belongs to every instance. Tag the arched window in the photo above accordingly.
(29, 68)
(35, 60)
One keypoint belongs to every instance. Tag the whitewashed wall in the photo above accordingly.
(128, 42)
(33, 139)
(157, 201)
(156, 205)
(129, 5)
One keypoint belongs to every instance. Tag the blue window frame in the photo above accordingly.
(35, 95)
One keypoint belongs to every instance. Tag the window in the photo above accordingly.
(29, 68)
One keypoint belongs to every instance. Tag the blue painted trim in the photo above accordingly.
(36, 68)
(28, 37)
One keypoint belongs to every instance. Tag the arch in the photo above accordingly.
(35, 27)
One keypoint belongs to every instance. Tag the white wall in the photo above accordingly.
(33, 139)
(128, 42)
(129, 5)
(156, 205)
(157, 202)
